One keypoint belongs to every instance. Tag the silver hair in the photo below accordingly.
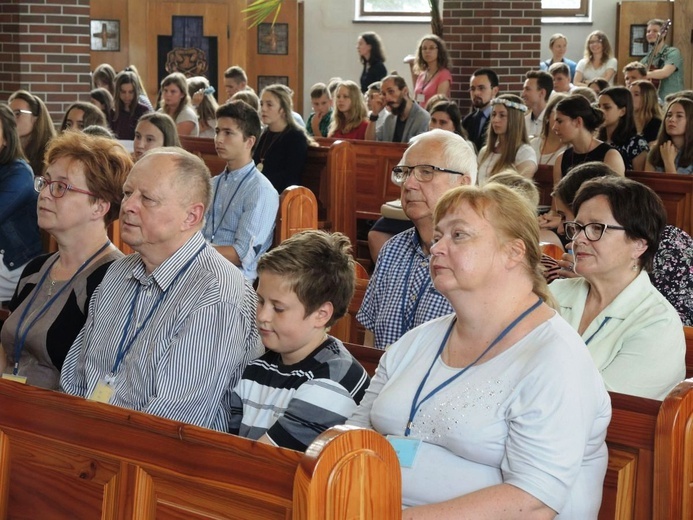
(457, 154)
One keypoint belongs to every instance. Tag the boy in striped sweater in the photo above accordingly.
(307, 381)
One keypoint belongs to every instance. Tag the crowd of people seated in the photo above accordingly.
(491, 347)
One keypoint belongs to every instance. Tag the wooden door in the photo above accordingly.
(631, 17)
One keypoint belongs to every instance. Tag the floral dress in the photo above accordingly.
(630, 150)
(672, 271)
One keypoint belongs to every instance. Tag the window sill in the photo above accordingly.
(392, 19)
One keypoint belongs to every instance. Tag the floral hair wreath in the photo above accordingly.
(510, 104)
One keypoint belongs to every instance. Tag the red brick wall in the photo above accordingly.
(502, 35)
(44, 48)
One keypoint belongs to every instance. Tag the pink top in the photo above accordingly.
(355, 133)
(430, 89)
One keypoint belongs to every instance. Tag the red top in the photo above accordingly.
(358, 132)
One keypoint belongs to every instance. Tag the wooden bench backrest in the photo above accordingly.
(203, 147)
(688, 333)
(63, 457)
(676, 192)
(298, 211)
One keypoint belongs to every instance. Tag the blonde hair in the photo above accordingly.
(512, 217)
(346, 122)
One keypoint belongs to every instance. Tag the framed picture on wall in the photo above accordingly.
(104, 35)
(263, 81)
(638, 40)
(273, 39)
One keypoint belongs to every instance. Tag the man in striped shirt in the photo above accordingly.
(171, 327)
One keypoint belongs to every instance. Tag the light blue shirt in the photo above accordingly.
(242, 215)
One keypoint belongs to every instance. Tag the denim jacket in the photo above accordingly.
(19, 233)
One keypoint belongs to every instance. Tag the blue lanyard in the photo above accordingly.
(416, 404)
(124, 348)
(408, 318)
(214, 203)
(606, 320)
(20, 339)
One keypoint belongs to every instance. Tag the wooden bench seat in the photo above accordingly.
(63, 457)
(650, 469)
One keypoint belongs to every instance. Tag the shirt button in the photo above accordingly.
(11, 264)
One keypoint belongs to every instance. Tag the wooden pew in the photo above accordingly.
(676, 192)
(203, 147)
(298, 211)
(688, 333)
(63, 457)
(650, 470)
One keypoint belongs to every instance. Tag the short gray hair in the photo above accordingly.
(457, 153)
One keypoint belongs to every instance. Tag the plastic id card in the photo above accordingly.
(406, 448)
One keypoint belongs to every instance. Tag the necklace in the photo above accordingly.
(584, 156)
(51, 286)
(267, 147)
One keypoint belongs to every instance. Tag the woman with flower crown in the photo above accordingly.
(507, 144)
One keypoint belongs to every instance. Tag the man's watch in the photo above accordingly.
(373, 117)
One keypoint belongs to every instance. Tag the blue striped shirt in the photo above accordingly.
(243, 215)
(191, 353)
(400, 294)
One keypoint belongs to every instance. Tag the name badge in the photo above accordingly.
(103, 392)
(406, 448)
(420, 98)
(16, 379)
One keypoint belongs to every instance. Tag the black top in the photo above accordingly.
(283, 156)
(651, 129)
(571, 159)
(375, 72)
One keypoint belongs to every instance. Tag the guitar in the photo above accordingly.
(649, 60)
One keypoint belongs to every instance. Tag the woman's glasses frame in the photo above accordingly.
(58, 189)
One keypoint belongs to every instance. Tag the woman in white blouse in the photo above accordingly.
(598, 61)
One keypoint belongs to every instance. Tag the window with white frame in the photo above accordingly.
(564, 8)
(386, 10)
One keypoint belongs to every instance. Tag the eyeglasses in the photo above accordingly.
(593, 231)
(18, 113)
(57, 188)
(422, 173)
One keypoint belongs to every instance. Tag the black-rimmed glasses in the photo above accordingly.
(422, 173)
(593, 230)
(57, 188)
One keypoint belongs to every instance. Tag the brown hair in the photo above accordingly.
(41, 133)
(319, 268)
(106, 165)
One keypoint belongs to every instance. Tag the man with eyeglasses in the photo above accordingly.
(483, 87)
(400, 294)
(171, 328)
(406, 118)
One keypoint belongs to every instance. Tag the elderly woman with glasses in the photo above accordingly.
(78, 197)
(496, 409)
(633, 333)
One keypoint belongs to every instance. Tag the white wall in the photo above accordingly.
(330, 39)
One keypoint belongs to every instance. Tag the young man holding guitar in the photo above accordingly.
(664, 62)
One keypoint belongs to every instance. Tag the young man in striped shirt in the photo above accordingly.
(307, 381)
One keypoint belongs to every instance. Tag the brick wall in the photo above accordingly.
(502, 35)
(44, 48)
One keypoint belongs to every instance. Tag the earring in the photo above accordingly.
(634, 267)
